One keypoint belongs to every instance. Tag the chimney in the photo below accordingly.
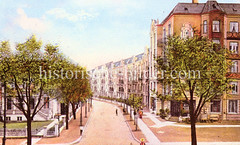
(194, 1)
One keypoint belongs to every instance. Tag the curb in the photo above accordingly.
(85, 126)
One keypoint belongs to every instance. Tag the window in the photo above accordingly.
(232, 106)
(19, 118)
(205, 26)
(233, 26)
(233, 47)
(187, 31)
(169, 29)
(234, 68)
(8, 118)
(164, 36)
(217, 41)
(46, 101)
(234, 86)
(9, 103)
(215, 106)
(216, 26)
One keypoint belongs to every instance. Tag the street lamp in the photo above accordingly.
(86, 109)
(81, 115)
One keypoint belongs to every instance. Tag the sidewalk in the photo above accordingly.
(70, 135)
(171, 133)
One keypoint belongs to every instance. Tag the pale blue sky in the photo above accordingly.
(91, 32)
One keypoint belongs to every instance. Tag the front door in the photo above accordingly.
(175, 108)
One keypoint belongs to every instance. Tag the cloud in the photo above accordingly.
(78, 16)
(31, 24)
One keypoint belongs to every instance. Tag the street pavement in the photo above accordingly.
(106, 128)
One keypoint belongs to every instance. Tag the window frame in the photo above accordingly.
(8, 118)
(205, 28)
(231, 47)
(237, 26)
(234, 67)
(219, 106)
(213, 26)
(237, 109)
(19, 118)
(9, 103)
(169, 29)
(236, 88)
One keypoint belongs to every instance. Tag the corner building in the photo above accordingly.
(217, 21)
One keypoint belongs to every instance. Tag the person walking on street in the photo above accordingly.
(116, 112)
(142, 141)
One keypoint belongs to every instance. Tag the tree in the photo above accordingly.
(26, 76)
(196, 67)
(5, 66)
(81, 88)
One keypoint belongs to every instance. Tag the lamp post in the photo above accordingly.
(91, 101)
(88, 105)
(81, 114)
(86, 109)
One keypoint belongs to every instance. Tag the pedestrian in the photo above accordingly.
(116, 112)
(142, 141)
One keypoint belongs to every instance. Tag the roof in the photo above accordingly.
(109, 65)
(117, 64)
(200, 8)
(100, 67)
(139, 57)
(128, 60)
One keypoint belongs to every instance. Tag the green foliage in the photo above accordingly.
(198, 54)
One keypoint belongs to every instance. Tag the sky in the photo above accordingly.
(90, 32)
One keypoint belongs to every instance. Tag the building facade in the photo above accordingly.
(220, 23)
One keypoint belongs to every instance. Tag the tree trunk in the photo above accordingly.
(193, 122)
(29, 130)
(74, 110)
(193, 132)
(4, 114)
(67, 112)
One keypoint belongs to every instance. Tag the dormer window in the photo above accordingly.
(233, 26)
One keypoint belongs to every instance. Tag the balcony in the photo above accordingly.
(233, 35)
(233, 75)
(234, 56)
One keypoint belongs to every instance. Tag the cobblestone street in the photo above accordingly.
(105, 128)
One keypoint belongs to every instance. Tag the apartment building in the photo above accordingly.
(217, 21)
(126, 77)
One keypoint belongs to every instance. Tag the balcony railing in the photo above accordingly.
(233, 35)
